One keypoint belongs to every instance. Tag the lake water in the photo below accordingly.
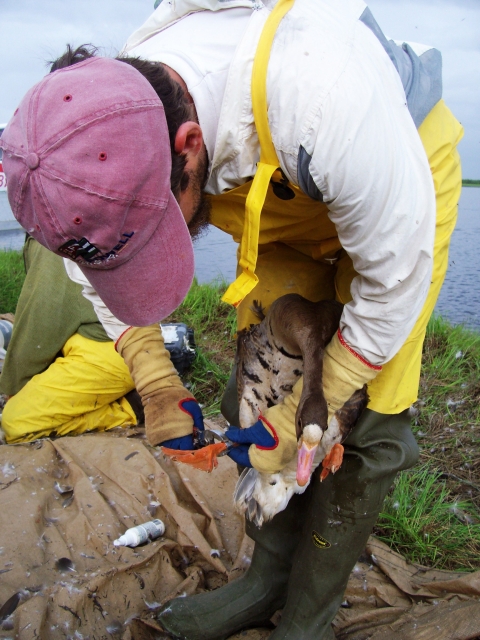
(215, 256)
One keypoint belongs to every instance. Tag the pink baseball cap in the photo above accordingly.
(87, 158)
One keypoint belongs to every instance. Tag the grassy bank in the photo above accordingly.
(12, 275)
(471, 183)
(432, 514)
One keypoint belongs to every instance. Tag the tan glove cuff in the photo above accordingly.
(280, 422)
(344, 372)
(164, 418)
(157, 382)
(148, 360)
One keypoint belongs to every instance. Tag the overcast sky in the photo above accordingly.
(35, 31)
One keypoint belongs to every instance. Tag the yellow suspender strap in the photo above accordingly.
(268, 164)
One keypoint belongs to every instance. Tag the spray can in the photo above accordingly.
(140, 534)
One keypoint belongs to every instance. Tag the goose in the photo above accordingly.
(271, 357)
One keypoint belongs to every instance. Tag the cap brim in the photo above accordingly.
(153, 283)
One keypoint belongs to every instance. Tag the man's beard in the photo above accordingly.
(201, 206)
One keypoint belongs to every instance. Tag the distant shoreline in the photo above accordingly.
(470, 183)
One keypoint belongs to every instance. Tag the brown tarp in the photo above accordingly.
(63, 502)
(389, 598)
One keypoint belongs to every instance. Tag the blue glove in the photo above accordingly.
(256, 434)
(187, 443)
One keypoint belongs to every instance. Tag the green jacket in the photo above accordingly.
(50, 309)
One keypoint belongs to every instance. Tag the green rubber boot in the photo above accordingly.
(341, 515)
(251, 600)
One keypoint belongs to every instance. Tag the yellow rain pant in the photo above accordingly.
(81, 391)
(293, 255)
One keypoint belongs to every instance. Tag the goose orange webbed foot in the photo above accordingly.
(204, 459)
(332, 461)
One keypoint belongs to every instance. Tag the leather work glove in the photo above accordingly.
(187, 443)
(171, 414)
(344, 371)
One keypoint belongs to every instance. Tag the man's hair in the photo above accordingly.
(175, 104)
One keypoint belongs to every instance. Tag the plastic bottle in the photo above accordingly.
(140, 534)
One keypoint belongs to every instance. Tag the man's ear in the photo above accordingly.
(188, 139)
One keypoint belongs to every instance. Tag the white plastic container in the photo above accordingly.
(140, 534)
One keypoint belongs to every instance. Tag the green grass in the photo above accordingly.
(12, 275)
(423, 521)
(451, 364)
(432, 514)
(447, 420)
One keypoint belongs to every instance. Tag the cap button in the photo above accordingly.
(32, 161)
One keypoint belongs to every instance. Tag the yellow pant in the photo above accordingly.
(81, 391)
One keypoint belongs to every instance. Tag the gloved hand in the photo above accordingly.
(170, 411)
(344, 371)
(187, 443)
(256, 434)
(279, 423)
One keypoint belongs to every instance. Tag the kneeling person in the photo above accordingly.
(62, 372)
